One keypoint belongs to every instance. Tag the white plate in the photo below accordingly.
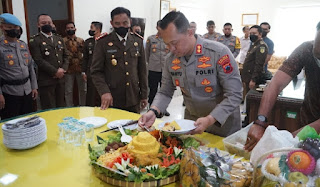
(114, 124)
(96, 121)
(186, 126)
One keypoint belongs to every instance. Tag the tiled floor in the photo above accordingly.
(176, 109)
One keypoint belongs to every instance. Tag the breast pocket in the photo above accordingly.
(26, 57)
(205, 86)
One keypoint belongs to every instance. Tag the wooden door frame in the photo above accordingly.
(70, 14)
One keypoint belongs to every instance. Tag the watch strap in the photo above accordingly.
(261, 123)
(155, 112)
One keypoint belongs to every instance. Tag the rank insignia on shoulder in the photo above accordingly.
(262, 49)
(198, 49)
(31, 40)
(177, 82)
(110, 44)
(175, 67)
(176, 61)
(135, 44)
(208, 89)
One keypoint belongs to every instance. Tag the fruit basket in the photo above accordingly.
(150, 159)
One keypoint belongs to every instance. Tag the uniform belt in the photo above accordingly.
(14, 82)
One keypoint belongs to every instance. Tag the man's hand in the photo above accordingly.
(143, 103)
(147, 119)
(34, 94)
(84, 76)
(106, 101)
(202, 124)
(60, 73)
(252, 84)
(254, 135)
(2, 102)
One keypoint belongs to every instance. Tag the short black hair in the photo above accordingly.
(265, 23)
(210, 22)
(178, 19)
(41, 15)
(227, 24)
(244, 28)
(97, 24)
(318, 26)
(120, 10)
(70, 22)
(257, 27)
(158, 23)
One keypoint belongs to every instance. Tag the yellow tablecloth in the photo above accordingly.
(60, 165)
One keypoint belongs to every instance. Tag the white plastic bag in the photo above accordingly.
(272, 139)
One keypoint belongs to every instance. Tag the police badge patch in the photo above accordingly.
(262, 49)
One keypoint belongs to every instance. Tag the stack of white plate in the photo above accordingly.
(24, 138)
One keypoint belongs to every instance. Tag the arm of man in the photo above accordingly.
(147, 51)
(289, 69)
(85, 57)
(43, 65)
(316, 46)
(270, 51)
(315, 125)
(143, 77)
(261, 55)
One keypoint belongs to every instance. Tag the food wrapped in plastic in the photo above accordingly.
(212, 167)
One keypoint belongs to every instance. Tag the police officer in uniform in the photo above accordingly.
(118, 69)
(207, 74)
(93, 98)
(252, 73)
(211, 35)
(232, 42)
(156, 52)
(18, 83)
(49, 52)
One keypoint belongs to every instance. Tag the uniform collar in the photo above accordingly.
(121, 38)
(46, 35)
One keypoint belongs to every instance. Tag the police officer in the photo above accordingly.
(207, 74)
(118, 69)
(156, 52)
(18, 83)
(211, 35)
(232, 42)
(92, 98)
(252, 73)
(49, 52)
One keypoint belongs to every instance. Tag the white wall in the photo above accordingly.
(18, 11)
(99, 10)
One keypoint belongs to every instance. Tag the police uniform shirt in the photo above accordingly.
(213, 36)
(210, 83)
(16, 64)
(232, 42)
(156, 52)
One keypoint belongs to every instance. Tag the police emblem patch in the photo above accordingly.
(208, 89)
(11, 62)
(262, 49)
(224, 62)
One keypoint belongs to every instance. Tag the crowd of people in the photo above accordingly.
(119, 70)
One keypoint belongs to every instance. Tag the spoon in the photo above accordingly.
(124, 138)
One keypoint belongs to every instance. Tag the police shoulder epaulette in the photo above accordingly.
(35, 35)
(137, 35)
(102, 36)
(214, 46)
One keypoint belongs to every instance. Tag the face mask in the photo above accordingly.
(138, 33)
(122, 31)
(13, 33)
(227, 35)
(71, 32)
(91, 33)
(253, 38)
(54, 31)
(264, 33)
(46, 28)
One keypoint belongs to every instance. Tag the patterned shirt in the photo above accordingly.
(75, 48)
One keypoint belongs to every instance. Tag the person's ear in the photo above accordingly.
(111, 23)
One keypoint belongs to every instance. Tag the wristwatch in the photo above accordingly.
(261, 121)
(156, 112)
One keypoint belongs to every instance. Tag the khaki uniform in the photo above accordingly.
(232, 42)
(156, 52)
(92, 98)
(211, 36)
(49, 54)
(253, 64)
(121, 70)
(17, 78)
(210, 84)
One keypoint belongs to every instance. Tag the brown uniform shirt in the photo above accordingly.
(87, 55)
(254, 61)
(302, 57)
(49, 56)
(120, 70)
(75, 48)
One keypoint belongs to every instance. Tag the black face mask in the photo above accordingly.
(138, 33)
(54, 31)
(46, 28)
(264, 33)
(71, 32)
(253, 38)
(122, 31)
(91, 33)
(13, 33)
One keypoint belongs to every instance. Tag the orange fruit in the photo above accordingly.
(299, 160)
